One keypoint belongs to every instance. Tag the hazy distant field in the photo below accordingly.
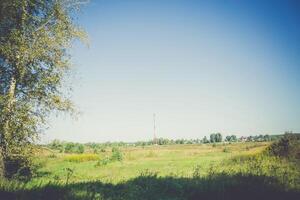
(173, 160)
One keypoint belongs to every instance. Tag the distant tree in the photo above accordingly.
(181, 141)
(205, 140)
(250, 138)
(218, 137)
(163, 141)
(80, 148)
(231, 138)
(71, 147)
(212, 138)
(189, 142)
(68, 148)
(57, 145)
(267, 138)
(228, 138)
(215, 137)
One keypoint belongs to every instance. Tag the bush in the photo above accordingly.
(19, 167)
(74, 148)
(288, 146)
(56, 145)
(116, 154)
(103, 161)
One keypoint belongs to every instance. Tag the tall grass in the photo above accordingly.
(257, 175)
(81, 157)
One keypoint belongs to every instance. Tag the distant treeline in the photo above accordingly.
(70, 147)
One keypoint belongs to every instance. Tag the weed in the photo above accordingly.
(69, 174)
(196, 172)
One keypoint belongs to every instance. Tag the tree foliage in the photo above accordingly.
(231, 138)
(215, 137)
(35, 36)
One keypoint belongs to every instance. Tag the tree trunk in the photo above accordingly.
(2, 166)
(10, 102)
(7, 133)
(4, 150)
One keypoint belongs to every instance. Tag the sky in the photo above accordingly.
(202, 66)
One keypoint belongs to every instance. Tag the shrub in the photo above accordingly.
(80, 149)
(102, 150)
(74, 148)
(116, 154)
(103, 161)
(19, 167)
(56, 145)
(288, 146)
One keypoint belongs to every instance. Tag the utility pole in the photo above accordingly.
(154, 131)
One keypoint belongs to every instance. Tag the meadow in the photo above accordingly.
(239, 170)
(161, 159)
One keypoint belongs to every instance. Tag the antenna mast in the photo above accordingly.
(154, 131)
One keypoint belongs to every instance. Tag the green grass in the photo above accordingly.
(165, 160)
(163, 172)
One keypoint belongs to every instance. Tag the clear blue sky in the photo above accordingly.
(202, 66)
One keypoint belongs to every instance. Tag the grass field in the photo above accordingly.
(163, 160)
(222, 171)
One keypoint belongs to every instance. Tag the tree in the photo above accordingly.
(215, 137)
(205, 140)
(218, 137)
(267, 138)
(228, 138)
(231, 138)
(35, 37)
(212, 138)
(57, 145)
